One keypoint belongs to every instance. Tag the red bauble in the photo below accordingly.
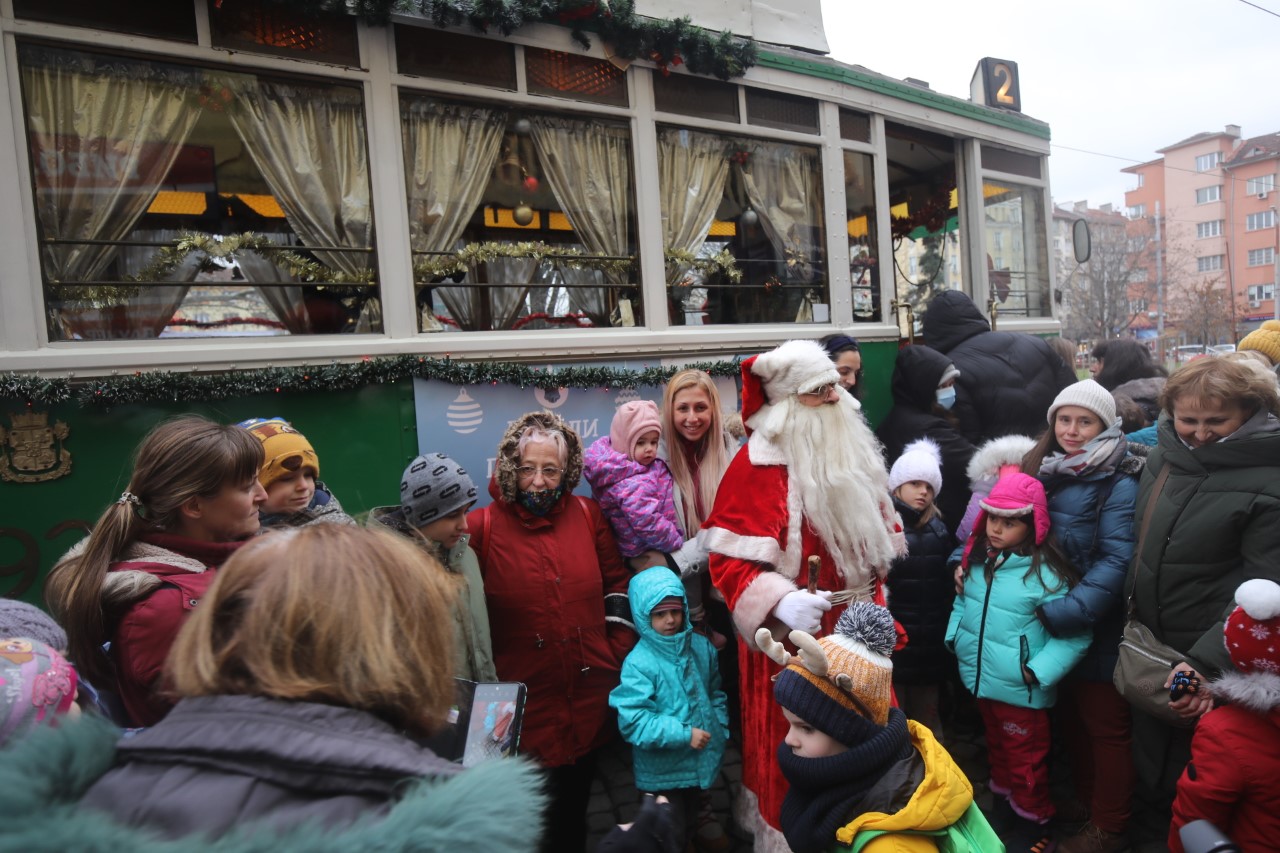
(531, 183)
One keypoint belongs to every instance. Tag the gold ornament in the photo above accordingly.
(523, 214)
(29, 451)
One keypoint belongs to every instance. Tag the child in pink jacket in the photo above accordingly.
(632, 485)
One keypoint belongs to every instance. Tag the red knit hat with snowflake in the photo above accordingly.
(1252, 632)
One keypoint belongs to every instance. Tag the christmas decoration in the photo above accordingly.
(168, 386)
(522, 127)
(522, 214)
(530, 183)
(749, 218)
(722, 263)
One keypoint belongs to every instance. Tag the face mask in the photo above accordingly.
(947, 397)
(540, 502)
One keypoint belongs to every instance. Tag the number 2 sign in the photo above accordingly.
(999, 79)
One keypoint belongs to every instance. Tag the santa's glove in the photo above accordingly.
(689, 559)
(802, 611)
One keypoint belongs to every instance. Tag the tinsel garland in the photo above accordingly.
(474, 254)
(631, 36)
(155, 386)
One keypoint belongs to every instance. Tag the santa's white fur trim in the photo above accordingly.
(746, 811)
(996, 453)
(755, 605)
(1255, 691)
(760, 450)
(793, 367)
(757, 549)
(1260, 598)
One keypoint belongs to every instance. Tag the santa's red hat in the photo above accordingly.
(792, 368)
(1252, 631)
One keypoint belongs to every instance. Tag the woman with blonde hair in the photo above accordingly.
(308, 678)
(192, 500)
(1207, 519)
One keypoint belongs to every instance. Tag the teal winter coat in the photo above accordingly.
(669, 686)
(994, 632)
(46, 774)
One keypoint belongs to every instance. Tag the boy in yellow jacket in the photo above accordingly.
(862, 776)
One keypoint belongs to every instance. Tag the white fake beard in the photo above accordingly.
(835, 463)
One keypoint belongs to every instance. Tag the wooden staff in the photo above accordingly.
(815, 566)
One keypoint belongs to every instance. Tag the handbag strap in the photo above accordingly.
(1142, 530)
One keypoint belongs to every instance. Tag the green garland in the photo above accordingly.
(479, 253)
(167, 386)
(666, 42)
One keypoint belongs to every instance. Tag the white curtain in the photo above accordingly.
(588, 167)
(508, 301)
(309, 144)
(449, 153)
(104, 133)
(784, 185)
(692, 169)
(286, 302)
(586, 300)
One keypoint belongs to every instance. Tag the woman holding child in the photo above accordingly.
(556, 591)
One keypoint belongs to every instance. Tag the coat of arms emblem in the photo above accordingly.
(33, 450)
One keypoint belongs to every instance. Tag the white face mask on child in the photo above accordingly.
(946, 396)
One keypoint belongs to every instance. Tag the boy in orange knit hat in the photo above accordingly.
(290, 474)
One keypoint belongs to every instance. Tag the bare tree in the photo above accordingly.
(1108, 292)
(1202, 309)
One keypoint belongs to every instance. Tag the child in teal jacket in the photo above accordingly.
(1008, 659)
(670, 704)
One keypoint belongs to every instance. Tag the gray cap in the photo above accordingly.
(432, 487)
(23, 621)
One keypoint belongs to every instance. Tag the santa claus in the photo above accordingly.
(810, 483)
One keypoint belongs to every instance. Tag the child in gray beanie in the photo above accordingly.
(435, 495)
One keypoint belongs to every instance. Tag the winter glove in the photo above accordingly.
(802, 611)
(690, 558)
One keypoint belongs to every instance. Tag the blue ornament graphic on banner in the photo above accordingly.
(464, 414)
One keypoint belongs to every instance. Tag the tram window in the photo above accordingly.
(568, 75)
(275, 167)
(782, 112)
(855, 126)
(1017, 249)
(484, 183)
(694, 96)
(860, 213)
(1012, 162)
(924, 219)
(159, 18)
(761, 202)
(259, 26)
(453, 56)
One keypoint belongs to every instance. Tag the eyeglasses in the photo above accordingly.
(821, 392)
(549, 473)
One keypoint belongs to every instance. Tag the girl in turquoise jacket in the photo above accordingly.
(670, 704)
(1008, 659)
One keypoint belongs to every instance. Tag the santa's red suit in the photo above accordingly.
(760, 545)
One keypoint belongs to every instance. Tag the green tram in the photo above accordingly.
(400, 228)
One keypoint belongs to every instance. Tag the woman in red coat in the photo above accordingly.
(556, 589)
(192, 501)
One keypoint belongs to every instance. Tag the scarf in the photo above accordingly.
(1100, 456)
(825, 792)
(542, 501)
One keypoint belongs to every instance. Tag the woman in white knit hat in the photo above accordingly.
(1090, 478)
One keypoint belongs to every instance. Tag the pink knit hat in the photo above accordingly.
(36, 686)
(1014, 495)
(631, 421)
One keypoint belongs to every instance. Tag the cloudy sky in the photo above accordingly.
(1119, 79)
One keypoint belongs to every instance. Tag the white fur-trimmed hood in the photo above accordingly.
(989, 457)
(1256, 691)
(125, 587)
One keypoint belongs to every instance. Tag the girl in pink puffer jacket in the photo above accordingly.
(632, 485)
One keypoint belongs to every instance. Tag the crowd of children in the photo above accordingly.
(1021, 608)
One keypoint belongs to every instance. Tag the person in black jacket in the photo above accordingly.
(923, 387)
(920, 588)
(1007, 379)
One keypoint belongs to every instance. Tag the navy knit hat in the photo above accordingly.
(850, 700)
(432, 487)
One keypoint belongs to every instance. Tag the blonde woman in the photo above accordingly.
(308, 677)
(191, 502)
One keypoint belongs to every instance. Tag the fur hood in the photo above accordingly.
(46, 774)
(122, 588)
(990, 457)
(508, 456)
(1258, 692)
